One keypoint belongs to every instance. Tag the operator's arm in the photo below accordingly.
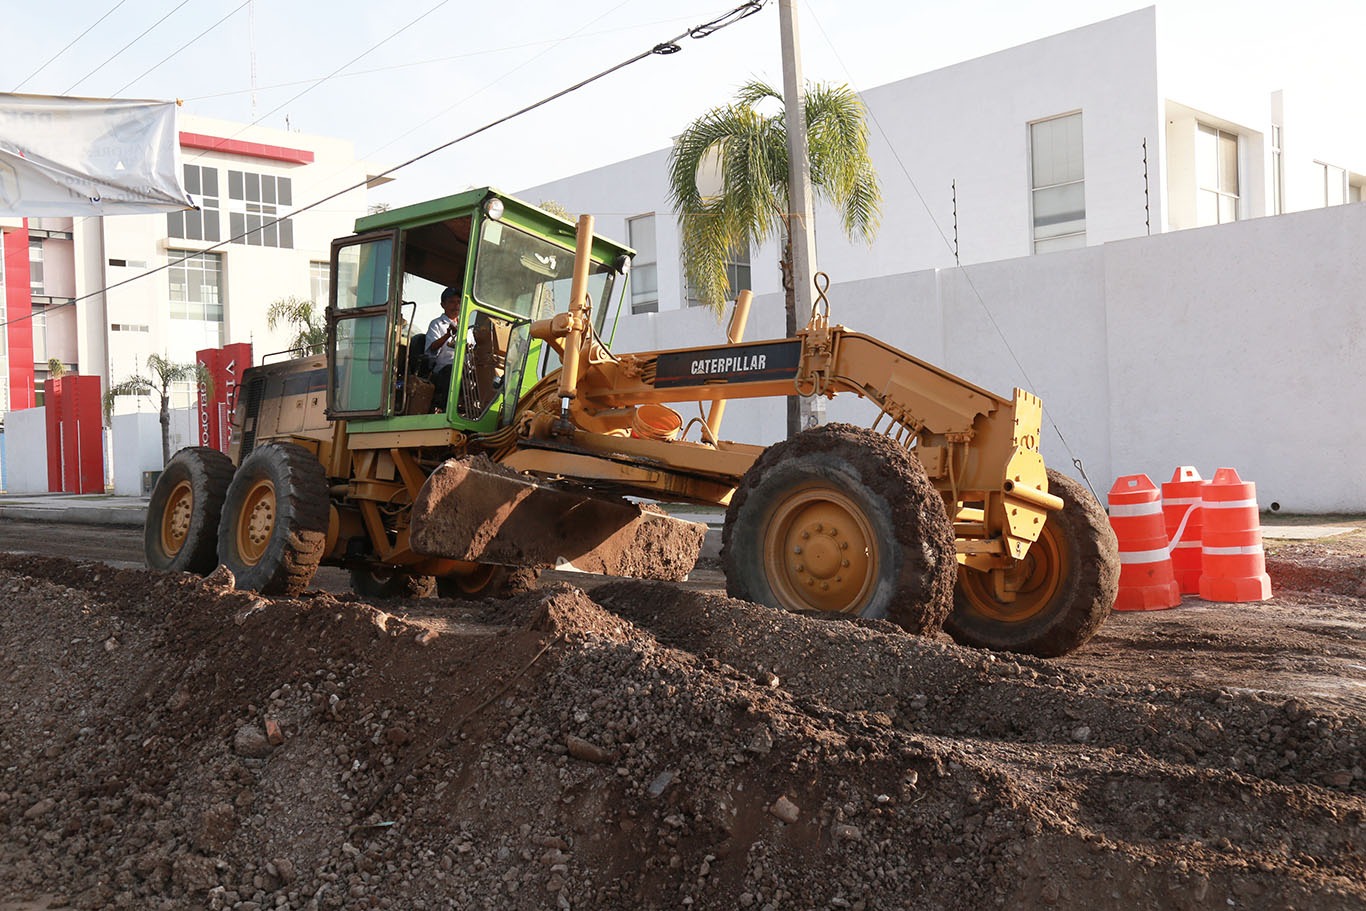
(436, 338)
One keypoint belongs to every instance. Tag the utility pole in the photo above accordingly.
(801, 229)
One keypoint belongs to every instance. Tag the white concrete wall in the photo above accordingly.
(136, 448)
(26, 451)
(1236, 345)
(135, 445)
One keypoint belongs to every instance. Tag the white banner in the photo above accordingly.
(88, 156)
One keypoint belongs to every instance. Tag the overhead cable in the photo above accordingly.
(68, 46)
(125, 47)
(705, 30)
(177, 51)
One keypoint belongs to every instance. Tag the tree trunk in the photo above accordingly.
(165, 428)
(794, 405)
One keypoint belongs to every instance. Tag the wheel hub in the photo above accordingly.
(1030, 585)
(175, 522)
(821, 552)
(257, 522)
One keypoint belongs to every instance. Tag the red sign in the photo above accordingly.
(225, 367)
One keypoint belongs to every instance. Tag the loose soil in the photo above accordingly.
(168, 742)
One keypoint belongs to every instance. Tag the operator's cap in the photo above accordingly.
(452, 291)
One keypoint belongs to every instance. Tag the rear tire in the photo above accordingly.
(487, 580)
(274, 523)
(181, 532)
(385, 583)
(1070, 578)
(839, 519)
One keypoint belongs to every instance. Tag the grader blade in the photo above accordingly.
(475, 510)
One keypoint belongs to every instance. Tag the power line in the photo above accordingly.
(416, 63)
(671, 46)
(136, 79)
(125, 47)
(332, 74)
(68, 47)
(484, 88)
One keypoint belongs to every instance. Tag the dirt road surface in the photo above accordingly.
(169, 742)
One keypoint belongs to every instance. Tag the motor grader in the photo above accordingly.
(550, 450)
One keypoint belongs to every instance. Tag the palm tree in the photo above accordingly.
(164, 374)
(750, 148)
(302, 316)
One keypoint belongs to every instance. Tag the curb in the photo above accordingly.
(76, 515)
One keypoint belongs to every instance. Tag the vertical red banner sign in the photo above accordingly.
(214, 414)
(75, 434)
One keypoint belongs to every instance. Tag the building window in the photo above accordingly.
(35, 265)
(1277, 172)
(38, 325)
(737, 276)
(1333, 184)
(1057, 183)
(201, 182)
(255, 202)
(197, 287)
(319, 282)
(1216, 176)
(640, 234)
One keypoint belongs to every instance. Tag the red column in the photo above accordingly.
(52, 417)
(89, 444)
(18, 313)
(75, 435)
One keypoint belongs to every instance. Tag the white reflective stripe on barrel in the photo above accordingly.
(1228, 504)
(1226, 551)
(1180, 544)
(1136, 509)
(1144, 556)
(1179, 501)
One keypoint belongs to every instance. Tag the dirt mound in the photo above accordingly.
(172, 743)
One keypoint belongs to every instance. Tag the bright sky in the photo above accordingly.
(460, 65)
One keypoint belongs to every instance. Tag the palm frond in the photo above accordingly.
(752, 205)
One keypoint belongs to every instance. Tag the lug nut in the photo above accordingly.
(797, 549)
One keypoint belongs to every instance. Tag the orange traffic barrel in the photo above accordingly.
(1146, 578)
(1233, 562)
(1183, 518)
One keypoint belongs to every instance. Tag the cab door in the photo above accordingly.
(360, 326)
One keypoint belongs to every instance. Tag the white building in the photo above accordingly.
(131, 296)
(1209, 347)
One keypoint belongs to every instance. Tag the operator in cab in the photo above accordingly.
(441, 334)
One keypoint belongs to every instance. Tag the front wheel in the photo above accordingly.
(386, 583)
(841, 520)
(181, 533)
(487, 580)
(274, 524)
(1063, 588)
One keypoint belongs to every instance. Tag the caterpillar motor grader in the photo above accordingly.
(943, 513)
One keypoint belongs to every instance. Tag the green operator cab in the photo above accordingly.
(512, 264)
